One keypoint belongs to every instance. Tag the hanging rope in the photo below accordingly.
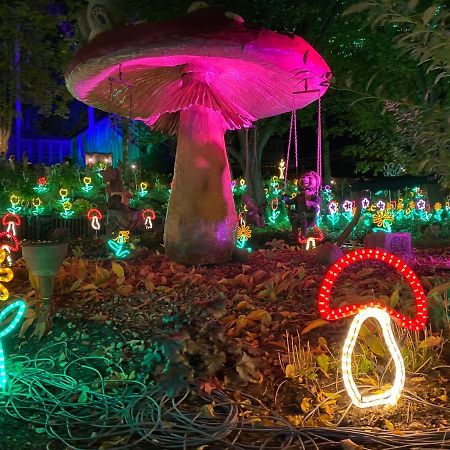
(289, 149)
(319, 140)
(295, 144)
(246, 155)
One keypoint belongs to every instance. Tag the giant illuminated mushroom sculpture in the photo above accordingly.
(377, 311)
(198, 76)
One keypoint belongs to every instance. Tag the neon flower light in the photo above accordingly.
(420, 204)
(383, 219)
(63, 193)
(6, 275)
(67, 213)
(365, 203)
(333, 207)
(243, 234)
(42, 185)
(275, 212)
(381, 205)
(14, 200)
(118, 245)
(310, 241)
(94, 216)
(143, 186)
(373, 310)
(38, 209)
(20, 306)
(347, 206)
(242, 185)
(11, 221)
(87, 184)
(147, 216)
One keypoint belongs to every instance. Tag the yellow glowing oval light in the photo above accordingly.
(391, 396)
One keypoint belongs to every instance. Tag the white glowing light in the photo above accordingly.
(391, 396)
(310, 243)
(95, 224)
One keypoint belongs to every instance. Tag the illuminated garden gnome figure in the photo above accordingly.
(378, 311)
(196, 77)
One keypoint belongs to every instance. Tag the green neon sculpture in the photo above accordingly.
(20, 305)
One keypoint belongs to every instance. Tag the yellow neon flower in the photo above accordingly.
(244, 231)
(67, 206)
(123, 236)
(381, 217)
(412, 205)
(37, 202)
(87, 180)
(437, 206)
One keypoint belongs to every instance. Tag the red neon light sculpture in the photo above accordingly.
(15, 243)
(328, 313)
(318, 237)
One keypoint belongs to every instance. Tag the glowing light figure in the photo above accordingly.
(38, 209)
(275, 211)
(11, 221)
(20, 306)
(365, 203)
(13, 246)
(147, 216)
(400, 204)
(381, 205)
(383, 219)
(233, 186)
(64, 196)
(242, 185)
(281, 168)
(68, 212)
(118, 245)
(373, 310)
(143, 189)
(14, 200)
(94, 216)
(6, 275)
(42, 185)
(87, 185)
(310, 241)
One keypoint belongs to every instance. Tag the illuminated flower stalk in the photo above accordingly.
(87, 184)
(438, 211)
(375, 310)
(15, 201)
(94, 216)
(67, 213)
(38, 209)
(243, 234)
(64, 196)
(147, 216)
(118, 245)
(143, 189)
(275, 211)
(42, 185)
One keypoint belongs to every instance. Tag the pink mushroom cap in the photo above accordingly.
(151, 71)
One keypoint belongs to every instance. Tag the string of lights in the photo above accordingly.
(80, 401)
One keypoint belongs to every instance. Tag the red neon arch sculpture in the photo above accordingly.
(328, 313)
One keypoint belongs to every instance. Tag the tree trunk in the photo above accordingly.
(201, 217)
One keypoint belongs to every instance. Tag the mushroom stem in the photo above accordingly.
(201, 218)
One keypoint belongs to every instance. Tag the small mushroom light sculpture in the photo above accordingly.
(94, 216)
(147, 216)
(379, 312)
(310, 241)
(11, 221)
